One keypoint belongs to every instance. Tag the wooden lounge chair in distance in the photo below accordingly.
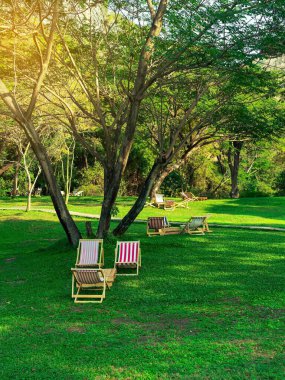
(128, 256)
(77, 193)
(191, 197)
(90, 253)
(90, 281)
(159, 225)
(160, 202)
(196, 225)
(184, 201)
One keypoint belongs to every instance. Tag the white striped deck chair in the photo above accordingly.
(88, 285)
(90, 253)
(128, 255)
(196, 225)
(159, 200)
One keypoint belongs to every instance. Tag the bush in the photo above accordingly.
(92, 180)
(279, 183)
(255, 188)
(5, 187)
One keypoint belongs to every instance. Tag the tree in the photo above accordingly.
(255, 113)
(117, 57)
(41, 26)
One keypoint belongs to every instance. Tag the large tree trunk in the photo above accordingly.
(114, 174)
(60, 207)
(234, 162)
(140, 202)
(114, 170)
(161, 177)
(112, 179)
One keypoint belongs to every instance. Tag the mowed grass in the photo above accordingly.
(203, 307)
(269, 212)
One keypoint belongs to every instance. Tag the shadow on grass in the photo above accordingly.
(272, 208)
(202, 307)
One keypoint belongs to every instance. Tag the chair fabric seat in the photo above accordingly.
(127, 255)
(88, 276)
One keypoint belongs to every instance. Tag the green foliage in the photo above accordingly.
(279, 184)
(5, 186)
(92, 180)
(115, 210)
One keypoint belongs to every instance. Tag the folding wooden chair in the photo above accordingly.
(128, 255)
(90, 253)
(156, 225)
(159, 225)
(159, 201)
(196, 225)
(191, 197)
(88, 280)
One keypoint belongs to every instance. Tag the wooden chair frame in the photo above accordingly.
(165, 228)
(159, 201)
(196, 225)
(192, 197)
(100, 262)
(98, 288)
(136, 265)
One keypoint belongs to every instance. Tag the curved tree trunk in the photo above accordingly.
(234, 162)
(60, 207)
(161, 177)
(140, 202)
(5, 168)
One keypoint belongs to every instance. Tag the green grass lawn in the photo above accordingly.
(244, 211)
(203, 307)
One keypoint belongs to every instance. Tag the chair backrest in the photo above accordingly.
(184, 195)
(127, 251)
(157, 222)
(196, 221)
(89, 276)
(159, 198)
(89, 252)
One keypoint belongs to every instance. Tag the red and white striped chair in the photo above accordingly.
(86, 280)
(128, 255)
(90, 253)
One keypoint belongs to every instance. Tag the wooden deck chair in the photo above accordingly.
(90, 253)
(196, 225)
(184, 201)
(159, 201)
(193, 197)
(156, 225)
(77, 193)
(89, 285)
(128, 255)
(159, 225)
